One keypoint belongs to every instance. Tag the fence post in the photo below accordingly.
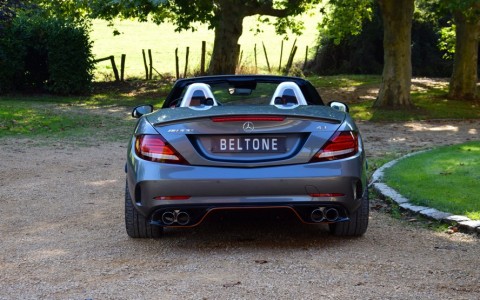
(150, 75)
(305, 61)
(122, 67)
(145, 64)
(281, 56)
(266, 57)
(293, 48)
(186, 63)
(255, 54)
(240, 59)
(114, 67)
(177, 69)
(202, 60)
(290, 60)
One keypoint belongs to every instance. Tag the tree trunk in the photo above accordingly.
(397, 70)
(463, 83)
(227, 33)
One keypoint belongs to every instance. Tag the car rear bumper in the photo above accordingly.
(200, 190)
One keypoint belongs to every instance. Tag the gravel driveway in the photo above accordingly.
(63, 237)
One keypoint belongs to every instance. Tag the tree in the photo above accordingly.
(8, 10)
(397, 18)
(228, 19)
(466, 15)
(460, 39)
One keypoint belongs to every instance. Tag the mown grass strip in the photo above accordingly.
(445, 178)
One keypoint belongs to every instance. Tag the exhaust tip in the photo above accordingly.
(317, 215)
(168, 218)
(183, 218)
(331, 214)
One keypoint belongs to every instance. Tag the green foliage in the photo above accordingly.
(12, 52)
(359, 53)
(445, 178)
(187, 15)
(70, 59)
(45, 54)
(468, 8)
(141, 10)
(443, 14)
(345, 18)
(446, 42)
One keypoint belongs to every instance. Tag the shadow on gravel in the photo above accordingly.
(253, 229)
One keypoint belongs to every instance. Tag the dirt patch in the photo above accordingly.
(400, 138)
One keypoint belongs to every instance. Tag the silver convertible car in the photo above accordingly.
(241, 143)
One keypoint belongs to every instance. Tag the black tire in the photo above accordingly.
(136, 224)
(358, 223)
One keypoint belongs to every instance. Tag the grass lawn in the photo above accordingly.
(60, 118)
(446, 178)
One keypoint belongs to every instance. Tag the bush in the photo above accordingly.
(70, 59)
(12, 52)
(45, 54)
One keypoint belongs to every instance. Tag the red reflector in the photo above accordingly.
(248, 118)
(172, 198)
(327, 195)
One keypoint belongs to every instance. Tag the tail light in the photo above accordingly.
(342, 144)
(155, 148)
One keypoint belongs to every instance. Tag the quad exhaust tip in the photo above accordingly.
(324, 214)
(175, 217)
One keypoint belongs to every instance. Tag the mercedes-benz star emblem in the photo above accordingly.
(248, 127)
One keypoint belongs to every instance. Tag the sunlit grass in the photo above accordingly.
(445, 178)
(23, 118)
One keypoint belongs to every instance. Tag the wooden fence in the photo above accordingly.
(149, 68)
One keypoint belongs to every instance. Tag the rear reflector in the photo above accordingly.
(155, 148)
(248, 118)
(342, 144)
(327, 195)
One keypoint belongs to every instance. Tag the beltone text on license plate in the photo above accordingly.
(249, 144)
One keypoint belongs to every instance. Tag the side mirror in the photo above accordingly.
(339, 106)
(141, 110)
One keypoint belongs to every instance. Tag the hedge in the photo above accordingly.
(45, 55)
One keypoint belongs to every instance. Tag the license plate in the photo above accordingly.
(249, 144)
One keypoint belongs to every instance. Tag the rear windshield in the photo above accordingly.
(228, 95)
(244, 93)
